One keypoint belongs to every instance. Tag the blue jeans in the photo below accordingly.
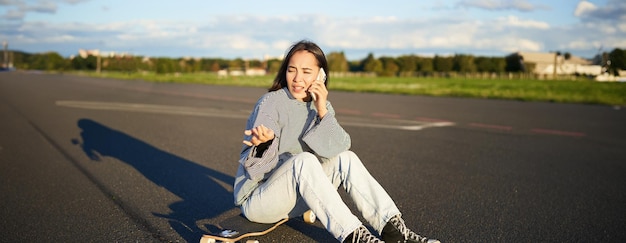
(302, 182)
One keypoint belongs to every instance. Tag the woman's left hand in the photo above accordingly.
(259, 135)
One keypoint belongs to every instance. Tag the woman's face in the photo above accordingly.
(301, 72)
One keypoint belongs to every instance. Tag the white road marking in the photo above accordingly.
(416, 127)
(212, 112)
(149, 108)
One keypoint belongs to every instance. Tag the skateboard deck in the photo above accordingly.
(237, 228)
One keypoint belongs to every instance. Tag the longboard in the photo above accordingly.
(237, 228)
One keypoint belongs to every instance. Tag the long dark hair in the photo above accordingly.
(280, 80)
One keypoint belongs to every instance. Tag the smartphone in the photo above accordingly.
(321, 76)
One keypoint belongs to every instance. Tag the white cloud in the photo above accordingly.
(583, 8)
(582, 44)
(622, 26)
(61, 38)
(614, 11)
(520, 5)
(254, 36)
(514, 21)
(75, 1)
(524, 45)
(13, 15)
(17, 9)
(40, 6)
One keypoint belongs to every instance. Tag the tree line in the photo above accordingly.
(405, 65)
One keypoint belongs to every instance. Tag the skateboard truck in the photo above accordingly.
(229, 233)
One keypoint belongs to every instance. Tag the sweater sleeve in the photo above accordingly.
(326, 137)
(258, 163)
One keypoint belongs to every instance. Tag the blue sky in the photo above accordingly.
(254, 29)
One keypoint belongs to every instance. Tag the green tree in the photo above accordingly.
(78, 63)
(425, 64)
(273, 65)
(126, 64)
(463, 63)
(215, 66)
(515, 63)
(165, 65)
(371, 64)
(47, 61)
(194, 65)
(20, 59)
(255, 63)
(91, 62)
(390, 66)
(567, 55)
(55, 61)
(355, 66)
(236, 64)
(490, 64)
(443, 64)
(407, 63)
(337, 62)
(618, 60)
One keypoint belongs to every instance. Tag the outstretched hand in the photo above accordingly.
(259, 135)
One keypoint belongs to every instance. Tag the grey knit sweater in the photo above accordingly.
(297, 129)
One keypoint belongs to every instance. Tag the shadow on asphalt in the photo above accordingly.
(202, 196)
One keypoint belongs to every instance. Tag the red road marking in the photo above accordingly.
(385, 115)
(558, 132)
(427, 119)
(490, 126)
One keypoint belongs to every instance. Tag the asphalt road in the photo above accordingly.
(87, 159)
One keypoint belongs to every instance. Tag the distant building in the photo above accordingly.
(238, 72)
(256, 72)
(549, 64)
(85, 53)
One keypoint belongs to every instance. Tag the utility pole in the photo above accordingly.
(98, 62)
(554, 67)
(5, 60)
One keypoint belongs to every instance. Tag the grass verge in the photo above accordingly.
(560, 91)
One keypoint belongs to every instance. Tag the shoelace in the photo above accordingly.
(406, 232)
(363, 235)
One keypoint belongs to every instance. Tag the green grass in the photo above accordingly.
(579, 91)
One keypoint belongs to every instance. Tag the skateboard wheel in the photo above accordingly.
(252, 241)
(309, 217)
(207, 240)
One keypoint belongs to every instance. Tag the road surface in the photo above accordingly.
(88, 159)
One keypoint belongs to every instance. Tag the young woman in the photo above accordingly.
(295, 156)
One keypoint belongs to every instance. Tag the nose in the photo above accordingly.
(298, 77)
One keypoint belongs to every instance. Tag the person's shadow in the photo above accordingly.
(202, 195)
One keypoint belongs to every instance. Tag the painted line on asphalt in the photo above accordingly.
(491, 126)
(386, 115)
(429, 119)
(400, 127)
(558, 132)
(211, 112)
(534, 130)
(149, 108)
